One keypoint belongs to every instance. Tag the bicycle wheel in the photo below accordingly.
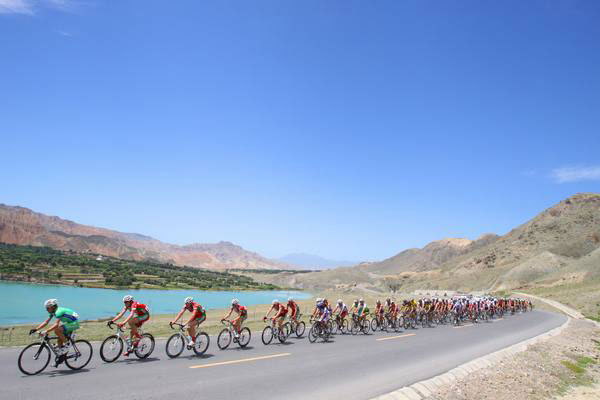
(267, 335)
(244, 338)
(111, 348)
(344, 326)
(300, 328)
(288, 328)
(224, 339)
(283, 334)
(145, 346)
(80, 355)
(312, 334)
(374, 324)
(175, 345)
(354, 327)
(201, 343)
(366, 327)
(34, 358)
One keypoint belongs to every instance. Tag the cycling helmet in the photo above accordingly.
(290, 299)
(235, 302)
(378, 301)
(361, 301)
(188, 300)
(339, 301)
(275, 301)
(50, 302)
(127, 298)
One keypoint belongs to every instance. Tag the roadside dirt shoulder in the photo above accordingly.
(562, 367)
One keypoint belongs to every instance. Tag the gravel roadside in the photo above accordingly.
(562, 367)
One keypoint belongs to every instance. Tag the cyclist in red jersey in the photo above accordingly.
(293, 309)
(242, 313)
(280, 313)
(138, 316)
(198, 316)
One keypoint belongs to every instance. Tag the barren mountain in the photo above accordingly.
(22, 226)
(559, 246)
(431, 256)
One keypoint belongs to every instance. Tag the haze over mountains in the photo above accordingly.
(311, 261)
(22, 226)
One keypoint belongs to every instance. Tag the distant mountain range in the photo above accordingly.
(311, 261)
(23, 226)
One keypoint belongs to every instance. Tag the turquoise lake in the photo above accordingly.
(24, 303)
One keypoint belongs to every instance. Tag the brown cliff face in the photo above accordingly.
(22, 226)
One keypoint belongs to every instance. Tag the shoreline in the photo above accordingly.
(219, 289)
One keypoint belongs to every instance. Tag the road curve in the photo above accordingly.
(352, 367)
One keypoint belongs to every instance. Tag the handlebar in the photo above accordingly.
(110, 325)
(181, 326)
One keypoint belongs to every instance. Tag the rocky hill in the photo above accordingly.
(22, 226)
(559, 246)
(431, 256)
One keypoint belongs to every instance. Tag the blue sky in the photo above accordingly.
(347, 129)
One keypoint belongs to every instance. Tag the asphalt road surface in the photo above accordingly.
(351, 367)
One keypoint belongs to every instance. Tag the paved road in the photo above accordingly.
(352, 367)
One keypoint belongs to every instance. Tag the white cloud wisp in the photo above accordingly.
(576, 174)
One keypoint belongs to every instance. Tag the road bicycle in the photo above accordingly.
(340, 325)
(361, 325)
(379, 323)
(36, 357)
(409, 320)
(392, 323)
(180, 340)
(318, 329)
(272, 331)
(296, 327)
(229, 334)
(112, 346)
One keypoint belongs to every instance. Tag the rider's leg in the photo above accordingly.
(134, 334)
(192, 331)
(59, 331)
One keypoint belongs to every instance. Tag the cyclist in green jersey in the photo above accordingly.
(67, 321)
(363, 310)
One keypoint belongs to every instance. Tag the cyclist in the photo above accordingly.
(67, 321)
(280, 313)
(198, 316)
(341, 309)
(362, 310)
(379, 312)
(392, 312)
(321, 311)
(294, 309)
(139, 315)
(242, 313)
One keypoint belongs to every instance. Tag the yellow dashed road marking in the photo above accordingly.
(396, 337)
(240, 361)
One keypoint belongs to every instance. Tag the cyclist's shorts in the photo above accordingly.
(70, 328)
(141, 319)
(200, 319)
(242, 317)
